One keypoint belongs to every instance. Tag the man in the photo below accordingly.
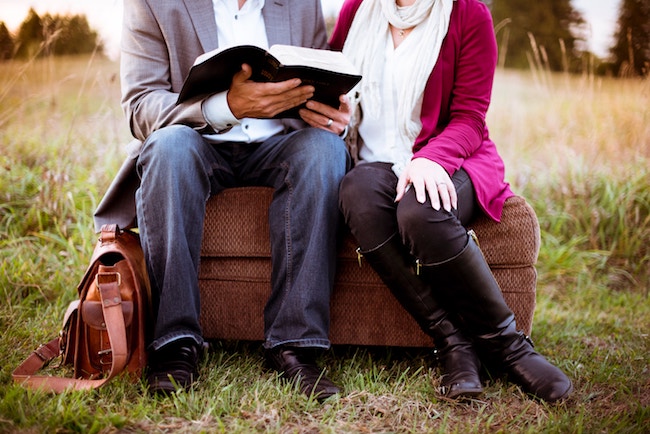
(185, 153)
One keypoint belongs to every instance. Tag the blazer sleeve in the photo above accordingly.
(149, 75)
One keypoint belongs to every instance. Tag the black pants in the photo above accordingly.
(367, 201)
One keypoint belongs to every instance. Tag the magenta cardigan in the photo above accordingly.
(456, 98)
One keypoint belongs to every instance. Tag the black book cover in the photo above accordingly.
(331, 75)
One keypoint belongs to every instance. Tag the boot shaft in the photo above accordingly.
(469, 286)
(395, 267)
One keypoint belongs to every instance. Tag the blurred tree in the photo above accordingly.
(538, 34)
(55, 35)
(70, 35)
(6, 43)
(631, 51)
(30, 35)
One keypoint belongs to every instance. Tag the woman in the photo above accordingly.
(425, 168)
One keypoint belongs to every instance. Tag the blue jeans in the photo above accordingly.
(179, 171)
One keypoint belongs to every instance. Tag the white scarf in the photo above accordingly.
(366, 51)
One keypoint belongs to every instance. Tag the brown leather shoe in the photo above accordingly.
(299, 365)
(173, 368)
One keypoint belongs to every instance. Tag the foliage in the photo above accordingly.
(603, 223)
(70, 35)
(632, 48)
(575, 147)
(6, 43)
(51, 35)
(549, 25)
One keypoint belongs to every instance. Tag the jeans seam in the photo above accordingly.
(288, 237)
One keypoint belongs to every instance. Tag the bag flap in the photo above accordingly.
(93, 315)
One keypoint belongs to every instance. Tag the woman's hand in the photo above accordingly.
(427, 176)
(328, 118)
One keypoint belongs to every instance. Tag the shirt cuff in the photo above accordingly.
(217, 113)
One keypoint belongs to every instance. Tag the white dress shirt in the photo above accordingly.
(237, 27)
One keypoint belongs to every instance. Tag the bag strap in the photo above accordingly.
(109, 289)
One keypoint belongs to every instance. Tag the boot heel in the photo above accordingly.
(475, 295)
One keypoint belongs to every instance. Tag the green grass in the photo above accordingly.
(576, 147)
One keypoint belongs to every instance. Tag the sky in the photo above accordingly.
(105, 17)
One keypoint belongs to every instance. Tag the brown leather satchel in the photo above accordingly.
(105, 331)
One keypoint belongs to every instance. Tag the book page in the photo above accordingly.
(323, 59)
(208, 55)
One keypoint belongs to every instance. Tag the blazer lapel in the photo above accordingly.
(202, 16)
(277, 18)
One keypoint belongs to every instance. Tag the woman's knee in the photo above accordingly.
(367, 202)
(360, 192)
(349, 190)
(421, 224)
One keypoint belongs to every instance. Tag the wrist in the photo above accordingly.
(217, 114)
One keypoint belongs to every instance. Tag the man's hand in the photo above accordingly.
(249, 99)
(328, 118)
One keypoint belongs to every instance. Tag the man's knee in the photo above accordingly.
(172, 139)
(172, 146)
(326, 149)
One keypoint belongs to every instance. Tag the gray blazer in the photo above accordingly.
(160, 41)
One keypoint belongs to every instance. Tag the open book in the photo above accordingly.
(330, 72)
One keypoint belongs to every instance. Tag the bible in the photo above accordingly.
(330, 72)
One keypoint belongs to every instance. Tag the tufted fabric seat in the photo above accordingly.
(234, 277)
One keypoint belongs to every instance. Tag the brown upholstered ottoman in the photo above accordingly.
(235, 271)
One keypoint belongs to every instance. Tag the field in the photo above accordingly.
(577, 147)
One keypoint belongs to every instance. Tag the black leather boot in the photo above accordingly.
(460, 364)
(476, 296)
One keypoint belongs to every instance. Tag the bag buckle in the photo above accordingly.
(103, 353)
(39, 352)
(47, 359)
(63, 346)
(112, 273)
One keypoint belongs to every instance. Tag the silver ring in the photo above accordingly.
(329, 122)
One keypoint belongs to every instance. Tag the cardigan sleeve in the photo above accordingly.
(343, 23)
(454, 131)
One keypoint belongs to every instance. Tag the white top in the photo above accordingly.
(238, 27)
(382, 140)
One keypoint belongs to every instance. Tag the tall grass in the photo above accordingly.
(575, 147)
(578, 149)
(60, 135)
